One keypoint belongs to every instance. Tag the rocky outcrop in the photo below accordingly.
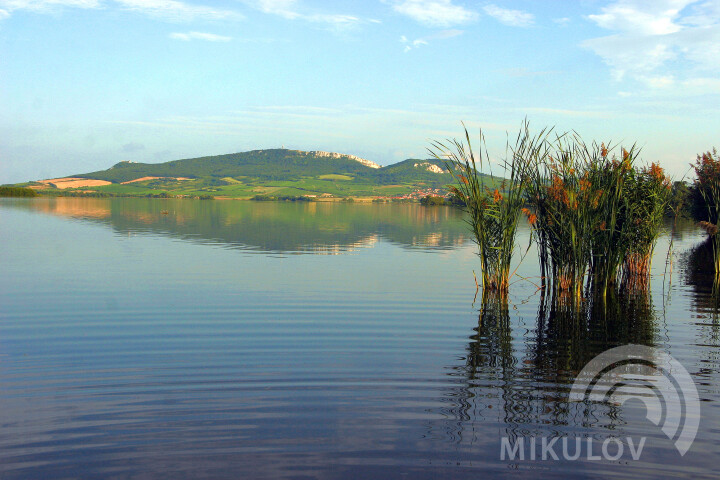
(365, 162)
(430, 167)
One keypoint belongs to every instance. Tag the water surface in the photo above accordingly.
(149, 338)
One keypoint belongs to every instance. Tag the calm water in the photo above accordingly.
(265, 340)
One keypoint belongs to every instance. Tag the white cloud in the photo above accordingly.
(208, 37)
(9, 6)
(283, 8)
(340, 22)
(561, 21)
(664, 81)
(409, 45)
(642, 17)
(292, 10)
(635, 54)
(176, 10)
(661, 43)
(42, 4)
(703, 14)
(513, 18)
(702, 85)
(419, 42)
(434, 13)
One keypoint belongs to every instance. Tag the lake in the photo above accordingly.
(154, 338)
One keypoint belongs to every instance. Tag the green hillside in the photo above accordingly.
(276, 164)
(431, 172)
(276, 172)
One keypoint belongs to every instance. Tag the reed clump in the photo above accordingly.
(562, 209)
(645, 202)
(707, 188)
(493, 203)
(595, 215)
(598, 216)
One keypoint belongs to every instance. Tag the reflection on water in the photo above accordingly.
(526, 385)
(699, 273)
(568, 335)
(277, 227)
(137, 344)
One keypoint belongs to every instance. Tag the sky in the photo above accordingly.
(85, 84)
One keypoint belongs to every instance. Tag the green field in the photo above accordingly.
(333, 176)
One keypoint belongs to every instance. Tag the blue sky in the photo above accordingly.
(87, 83)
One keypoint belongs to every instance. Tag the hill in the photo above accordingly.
(259, 172)
(276, 164)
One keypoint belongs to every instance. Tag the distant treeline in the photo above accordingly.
(686, 200)
(451, 200)
(17, 192)
(393, 200)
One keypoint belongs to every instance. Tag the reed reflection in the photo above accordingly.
(519, 377)
(488, 371)
(699, 273)
(698, 268)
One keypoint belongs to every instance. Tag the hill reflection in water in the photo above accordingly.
(270, 227)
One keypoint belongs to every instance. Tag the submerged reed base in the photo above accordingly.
(636, 272)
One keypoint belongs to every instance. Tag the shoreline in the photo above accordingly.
(298, 199)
